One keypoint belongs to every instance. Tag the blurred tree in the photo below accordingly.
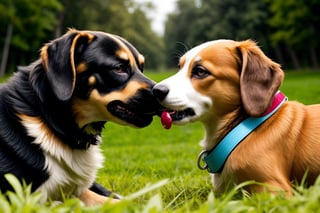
(295, 25)
(232, 19)
(145, 40)
(94, 15)
(179, 27)
(25, 25)
(201, 21)
(121, 17)
(287, 31)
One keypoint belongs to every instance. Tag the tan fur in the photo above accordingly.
(242, 82)
(286, 145)
(90, 198)
(94, 109)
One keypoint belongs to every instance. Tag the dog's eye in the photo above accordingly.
(199, 72)
(121, 69)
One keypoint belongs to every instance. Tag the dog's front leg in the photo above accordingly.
(90, 198)
(99, 189)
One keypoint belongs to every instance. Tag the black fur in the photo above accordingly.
(97, 188)
(46, 88)
(17, 153)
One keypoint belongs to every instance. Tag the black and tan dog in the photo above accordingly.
(52, 112)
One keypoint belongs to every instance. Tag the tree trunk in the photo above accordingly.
(61, 15)
(294, 59)
(314, 58)
(6, 48)
(58, 30)
(279, 57)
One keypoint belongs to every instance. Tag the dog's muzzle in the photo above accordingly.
(160, 92)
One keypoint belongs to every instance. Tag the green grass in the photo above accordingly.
(138, 159)
(148, 155)
(302, 86)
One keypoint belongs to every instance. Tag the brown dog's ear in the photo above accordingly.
(260, 79)
(58, 59)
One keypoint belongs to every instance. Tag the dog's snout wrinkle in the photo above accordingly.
(160, 91)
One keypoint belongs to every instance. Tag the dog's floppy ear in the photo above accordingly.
(58, 59)
(260, 78)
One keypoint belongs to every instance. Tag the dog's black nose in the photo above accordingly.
(160, 91)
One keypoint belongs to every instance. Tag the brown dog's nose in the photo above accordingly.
(160, 91)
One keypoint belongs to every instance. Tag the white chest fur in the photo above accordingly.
(71, 171)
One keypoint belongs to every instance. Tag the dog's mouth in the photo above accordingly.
(170, 116)
(178, 115)
(129, 115)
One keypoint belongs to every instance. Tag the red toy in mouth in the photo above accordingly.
(166, 120)
(169, 116)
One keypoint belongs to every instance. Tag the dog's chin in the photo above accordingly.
(124, 113)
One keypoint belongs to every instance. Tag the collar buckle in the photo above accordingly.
(201, 162)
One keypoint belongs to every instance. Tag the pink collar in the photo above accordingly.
(278, 98)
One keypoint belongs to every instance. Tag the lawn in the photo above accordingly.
(139, 160)
(142, 156)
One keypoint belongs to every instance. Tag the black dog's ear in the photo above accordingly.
(58, 59)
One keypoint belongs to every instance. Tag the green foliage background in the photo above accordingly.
(288, 31)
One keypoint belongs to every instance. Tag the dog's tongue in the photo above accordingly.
(166, 120)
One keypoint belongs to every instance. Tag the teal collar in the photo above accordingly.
(215, 159)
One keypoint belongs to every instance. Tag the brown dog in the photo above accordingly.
(224, 84)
